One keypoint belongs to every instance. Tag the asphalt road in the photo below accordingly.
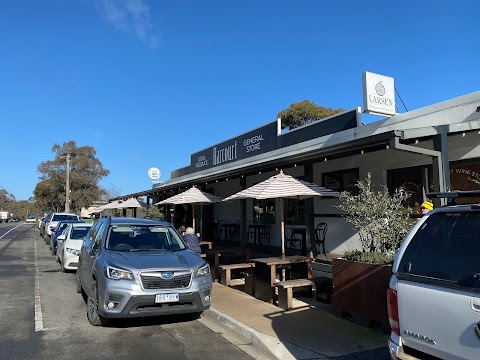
(43, 317)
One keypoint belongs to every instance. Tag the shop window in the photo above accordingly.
(343, 180)
(465, 175)
(294, 211)
(409, 179)
(264, 211)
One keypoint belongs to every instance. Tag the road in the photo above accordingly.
(43, 317)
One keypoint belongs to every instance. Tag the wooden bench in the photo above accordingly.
(213, 258)
(226, 271)
(285, 291)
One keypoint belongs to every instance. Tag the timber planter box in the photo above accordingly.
(360, 292)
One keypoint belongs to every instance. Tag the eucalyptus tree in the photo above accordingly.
(83, 170)
(304, 112)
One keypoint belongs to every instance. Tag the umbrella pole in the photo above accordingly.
(193, 218)
(282, 230)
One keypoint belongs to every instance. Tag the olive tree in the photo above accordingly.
(381, 219)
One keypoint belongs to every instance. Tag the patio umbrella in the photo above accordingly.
(283, 186)
(192, 196)
(131, 203)
(112, 205)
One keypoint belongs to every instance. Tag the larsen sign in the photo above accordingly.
(378, 94)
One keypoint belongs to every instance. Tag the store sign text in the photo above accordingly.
(228, 153)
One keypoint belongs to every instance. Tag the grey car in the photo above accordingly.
(132, 267)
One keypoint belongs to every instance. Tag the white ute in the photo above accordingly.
(434, 295)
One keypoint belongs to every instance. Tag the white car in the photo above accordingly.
(52, 224)
(69, 244)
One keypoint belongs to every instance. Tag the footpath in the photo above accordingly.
(309, 331)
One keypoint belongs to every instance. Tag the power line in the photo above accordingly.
(401, 99)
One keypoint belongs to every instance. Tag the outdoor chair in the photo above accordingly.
(293, 238)
(320, 234)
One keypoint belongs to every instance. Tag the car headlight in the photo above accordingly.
(203, 270)
(117, 273)
(73, 251)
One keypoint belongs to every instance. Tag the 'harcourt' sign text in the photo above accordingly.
(228, 153)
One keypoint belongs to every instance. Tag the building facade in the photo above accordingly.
(434, 148)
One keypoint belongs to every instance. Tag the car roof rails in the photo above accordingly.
(453, 194)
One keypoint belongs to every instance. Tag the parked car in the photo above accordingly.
(31, 219)
(52, 223)
(132, 267)
(434, 292)
(58, 231)
(43, 224)
(69, 244)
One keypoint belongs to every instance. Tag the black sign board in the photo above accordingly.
(252, 143)
(264, 139)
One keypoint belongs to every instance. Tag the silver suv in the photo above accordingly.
(434, 294)
(132, 267)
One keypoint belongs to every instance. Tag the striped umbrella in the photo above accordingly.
(283, 186)
(112, 205)
(192, 196)
(131, 203)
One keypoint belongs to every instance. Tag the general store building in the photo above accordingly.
(434, 148)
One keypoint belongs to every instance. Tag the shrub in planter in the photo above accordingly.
(380, 218)
(360, 278)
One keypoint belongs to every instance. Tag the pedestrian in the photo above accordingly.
(182, 230)
(192, 240)
(426, 207)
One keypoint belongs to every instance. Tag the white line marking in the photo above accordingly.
(38, 305)
(10, 230)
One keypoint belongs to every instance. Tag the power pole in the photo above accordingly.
(67, 187)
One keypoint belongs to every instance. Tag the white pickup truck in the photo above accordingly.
(434, 295)
(4, 216)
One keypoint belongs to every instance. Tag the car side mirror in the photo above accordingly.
(61, 237)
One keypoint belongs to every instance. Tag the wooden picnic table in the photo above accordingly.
(299, 267)
(213, 258)
(207, 244)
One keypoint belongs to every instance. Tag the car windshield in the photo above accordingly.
(138, 238)
(60, 217)
(79, 232)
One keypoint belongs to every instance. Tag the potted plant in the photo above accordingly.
(361, 277)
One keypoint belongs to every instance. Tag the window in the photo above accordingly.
(294, 211)
(264, 211)
(445, 251)
(409, 179)
(100, 232)
(343, 180)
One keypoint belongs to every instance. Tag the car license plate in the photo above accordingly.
(166, 298)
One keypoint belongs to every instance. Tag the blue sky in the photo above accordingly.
(147, 83)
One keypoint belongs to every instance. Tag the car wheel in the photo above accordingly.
(79, 284)
(62, 268)
(196, 315)
(92, 307)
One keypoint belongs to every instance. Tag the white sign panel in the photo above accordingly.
(378, 94)
(154, 173)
